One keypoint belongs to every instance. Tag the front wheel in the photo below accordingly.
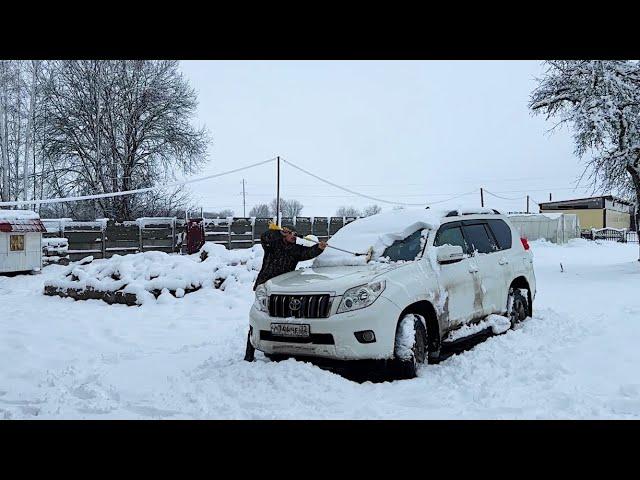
(410, 349)
(517, 306)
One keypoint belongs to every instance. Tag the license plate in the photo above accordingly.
(289, 330)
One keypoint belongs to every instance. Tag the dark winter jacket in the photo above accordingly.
(280, 256)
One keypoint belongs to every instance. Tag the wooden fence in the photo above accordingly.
(104, 238)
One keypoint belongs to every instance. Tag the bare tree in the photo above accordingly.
(119, 125)
(600, 101)
(261, 210)
(371, 210)
(348, 211)
(288, 208)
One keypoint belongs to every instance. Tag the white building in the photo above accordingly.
(20, 241)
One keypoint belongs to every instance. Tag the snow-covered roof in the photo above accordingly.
(23, 221)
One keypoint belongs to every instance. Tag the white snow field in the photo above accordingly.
(578, 357)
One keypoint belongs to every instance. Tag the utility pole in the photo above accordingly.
(244, 203)
(549, 197)
(527, 203)
(481, 197)
(278, 195)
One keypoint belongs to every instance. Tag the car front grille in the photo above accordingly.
(308, 306)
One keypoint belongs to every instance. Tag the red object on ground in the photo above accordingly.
(525, 243)
(195, 235)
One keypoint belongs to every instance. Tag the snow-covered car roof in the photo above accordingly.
(381, 230)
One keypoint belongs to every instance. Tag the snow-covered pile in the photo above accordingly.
(10, 215)
(55, 245)
(144, 274)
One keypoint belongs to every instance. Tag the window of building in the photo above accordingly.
(16, 243)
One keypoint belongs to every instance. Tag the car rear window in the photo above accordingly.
(479, 238)
(502, 232)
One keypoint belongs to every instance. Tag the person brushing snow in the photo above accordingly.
(281, 255)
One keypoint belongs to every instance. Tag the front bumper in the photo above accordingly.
(332, 337)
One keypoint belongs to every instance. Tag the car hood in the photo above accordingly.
(326, 279)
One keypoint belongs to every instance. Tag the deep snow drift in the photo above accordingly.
(182, 358)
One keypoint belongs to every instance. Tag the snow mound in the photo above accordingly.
(148, 273)
(377, 231)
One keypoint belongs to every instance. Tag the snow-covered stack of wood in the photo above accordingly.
(20, 241)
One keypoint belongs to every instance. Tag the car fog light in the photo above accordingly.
(365, 336)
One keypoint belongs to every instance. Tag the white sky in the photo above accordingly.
(409, 131)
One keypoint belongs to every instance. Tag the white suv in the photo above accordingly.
(432, 273)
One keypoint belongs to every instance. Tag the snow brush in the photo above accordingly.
(368, 254)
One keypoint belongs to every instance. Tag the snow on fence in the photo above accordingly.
(554, 227)
(622, 235)
(104, 238)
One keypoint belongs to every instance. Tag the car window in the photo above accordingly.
(501, 232)
(406, 249)
(450, 236)
(479, 238)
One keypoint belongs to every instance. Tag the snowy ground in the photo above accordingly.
(577, 358)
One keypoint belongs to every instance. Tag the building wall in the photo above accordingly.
(592, 218)
(618, 219)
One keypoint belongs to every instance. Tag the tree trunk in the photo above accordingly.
(29, 141)
(635, 177)
(3, 136)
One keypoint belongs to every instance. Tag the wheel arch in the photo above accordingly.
(428, 312)
(522, 282)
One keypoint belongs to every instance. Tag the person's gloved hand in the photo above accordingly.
(274, 226)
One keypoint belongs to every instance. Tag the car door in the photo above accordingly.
(485, 253)
(508, 257)
(459, 279)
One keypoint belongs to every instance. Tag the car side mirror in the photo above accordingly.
(450, 254)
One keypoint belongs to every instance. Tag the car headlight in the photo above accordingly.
(361, 296)
(262, 299)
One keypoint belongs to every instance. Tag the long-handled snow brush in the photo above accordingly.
(368, 253)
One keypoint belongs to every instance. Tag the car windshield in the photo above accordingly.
(406, 249)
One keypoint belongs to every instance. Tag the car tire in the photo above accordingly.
(409, 353)
(277, 357)
(517, 306)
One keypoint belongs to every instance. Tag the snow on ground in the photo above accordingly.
(182, 358)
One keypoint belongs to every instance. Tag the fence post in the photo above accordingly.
(104, 242)
(140, 244)
(173, 233)
(229, 230)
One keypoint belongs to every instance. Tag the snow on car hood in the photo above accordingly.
(377, 231)
(327, 279)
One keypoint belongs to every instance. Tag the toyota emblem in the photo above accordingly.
(295, 304)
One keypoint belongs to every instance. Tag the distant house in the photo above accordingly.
(595, 212)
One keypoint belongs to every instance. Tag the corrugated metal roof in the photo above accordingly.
(22, 226)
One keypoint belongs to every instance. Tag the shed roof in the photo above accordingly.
(606, 197)
(22, 226)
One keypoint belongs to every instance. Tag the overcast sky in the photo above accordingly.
(407, 131)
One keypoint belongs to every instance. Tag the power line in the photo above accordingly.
(349, 190)
(504, 198)
(131, 192)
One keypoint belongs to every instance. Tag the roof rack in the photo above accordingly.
(456, 213)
